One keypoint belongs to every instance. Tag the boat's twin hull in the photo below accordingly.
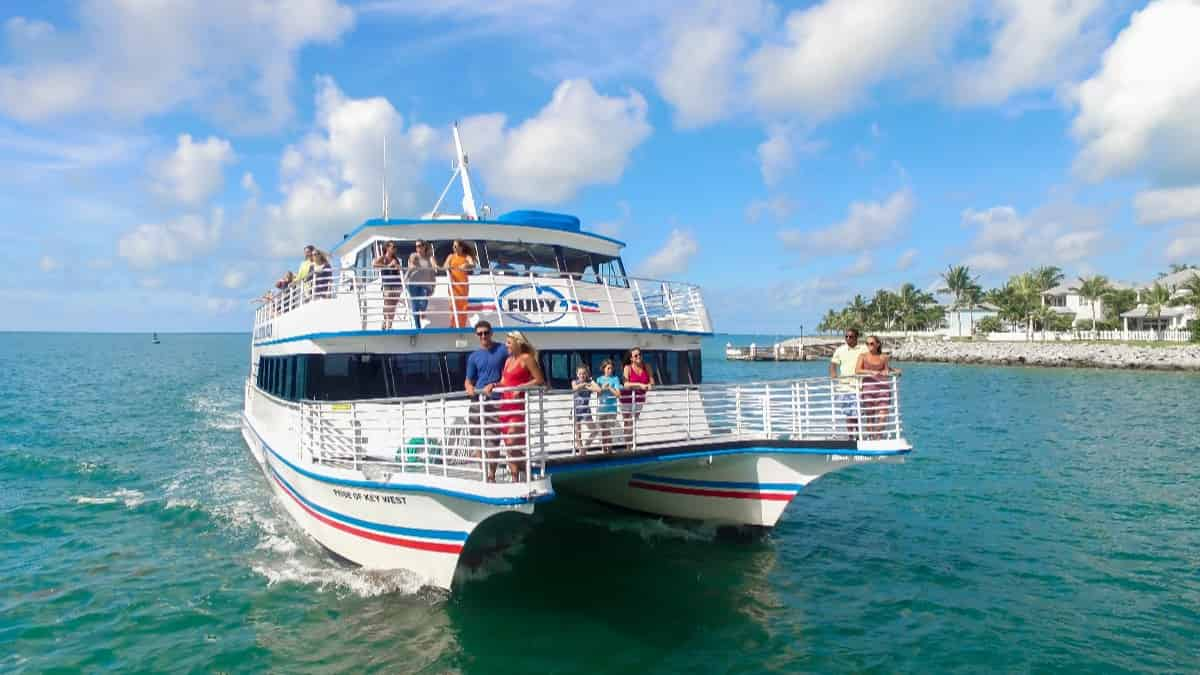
(387, 526)
(747, 486)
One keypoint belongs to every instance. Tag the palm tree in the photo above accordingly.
(1157, 297)
(973, 295)
(1092, 289)
(1045, 278)
(958, 281)
(857, 310)
(1192, 286)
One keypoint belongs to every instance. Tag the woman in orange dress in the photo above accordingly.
(459, 264)
(521, 370)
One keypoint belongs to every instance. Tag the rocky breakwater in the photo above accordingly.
(1053, 354)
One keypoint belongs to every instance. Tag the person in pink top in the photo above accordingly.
(638, 380)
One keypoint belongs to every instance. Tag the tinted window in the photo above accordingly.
(521, 258)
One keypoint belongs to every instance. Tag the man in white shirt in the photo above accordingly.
(842, 369)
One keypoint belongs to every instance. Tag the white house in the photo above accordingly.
(960, 321)
(1065, 299)
(1169, 318)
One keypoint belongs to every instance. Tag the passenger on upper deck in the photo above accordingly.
(422, 275)
(606, 411)
(389, 274)
(484, 368)
(876, 389)
(322, 274)
(582, 388)
(306, 265)
(459, 264)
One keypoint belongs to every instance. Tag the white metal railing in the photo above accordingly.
(378, 302)
(510, 437)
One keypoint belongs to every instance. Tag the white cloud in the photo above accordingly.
(999, 225)
(698, 77)
(235, 60)
(836, 50)
(153, 244)
(1139, 110)
(988, 261)
(1037, 43)
(48, 264)
(862, 264)
(1058, 233)
(1185, 245)
(1160, 206)
(150, 283)
(219, 305)
(579, 138)
(332, 179)
(906, 259)
(779, 207)
(233, 278)
(869, 224)
(673, 257)
(62, 150)
(612, 228)
(777, 154)
(100, 264)
(249, 184)
(23, 34)
(194, 171)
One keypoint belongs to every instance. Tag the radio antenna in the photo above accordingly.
(385, 177)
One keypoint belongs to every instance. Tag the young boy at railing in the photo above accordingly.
(582, 389)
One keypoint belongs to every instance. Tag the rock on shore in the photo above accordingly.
(1065, 354)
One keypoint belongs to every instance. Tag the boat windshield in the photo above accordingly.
(516, 258)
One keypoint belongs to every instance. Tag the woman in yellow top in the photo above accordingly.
(459, 264)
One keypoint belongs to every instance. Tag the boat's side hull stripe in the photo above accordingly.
(497, 501)
(435, 546)
(703, 492)
(670, 457)
(718, 484)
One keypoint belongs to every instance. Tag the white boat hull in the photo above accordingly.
(376, 524)
(744, 486)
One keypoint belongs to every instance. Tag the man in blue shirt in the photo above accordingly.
(484, 367)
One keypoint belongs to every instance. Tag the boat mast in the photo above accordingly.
(385, 178)
(468, 201)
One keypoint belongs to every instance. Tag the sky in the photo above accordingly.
(162, 163)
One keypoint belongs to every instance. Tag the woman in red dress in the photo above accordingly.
(521, 370)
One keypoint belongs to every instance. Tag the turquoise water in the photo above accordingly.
(1050, 520)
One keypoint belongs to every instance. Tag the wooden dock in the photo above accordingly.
(795, 349)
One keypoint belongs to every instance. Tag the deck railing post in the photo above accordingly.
(480, 436)
(495, 298)
(766, 413)
(612, 308)
(425, 436)
(575, 298)
(644, 315)
(687, 401)
(858, 407)
(896, 405)
(670, 300)
(737, 410)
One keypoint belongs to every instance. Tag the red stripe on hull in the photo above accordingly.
(373, 536)
(701, 492)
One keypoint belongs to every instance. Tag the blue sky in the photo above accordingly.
(161, 165)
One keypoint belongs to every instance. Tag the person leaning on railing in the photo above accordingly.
(389, 275)
(422, 274)
(582, 388)
(876, 386)
(842, 367)
(459, 265)
(484, 368)
(638, 381)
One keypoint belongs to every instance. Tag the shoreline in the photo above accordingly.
(1184, 357)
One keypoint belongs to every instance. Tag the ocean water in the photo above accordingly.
(1048, 521)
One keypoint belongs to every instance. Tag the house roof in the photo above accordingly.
(1174, 279)
(1068, 287)
(1142, 311)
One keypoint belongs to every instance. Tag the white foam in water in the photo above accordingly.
(326, 576)
(220, 409)
(173, 503)
(131, 498)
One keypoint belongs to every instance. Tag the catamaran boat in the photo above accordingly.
(355, 409)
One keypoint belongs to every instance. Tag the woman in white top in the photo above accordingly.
(422, 274)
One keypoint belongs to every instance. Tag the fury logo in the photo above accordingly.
(533, 304)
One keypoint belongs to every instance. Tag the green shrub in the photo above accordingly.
(1194, 326)
(988, 324)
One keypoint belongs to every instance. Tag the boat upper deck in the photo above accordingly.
(364, 301)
